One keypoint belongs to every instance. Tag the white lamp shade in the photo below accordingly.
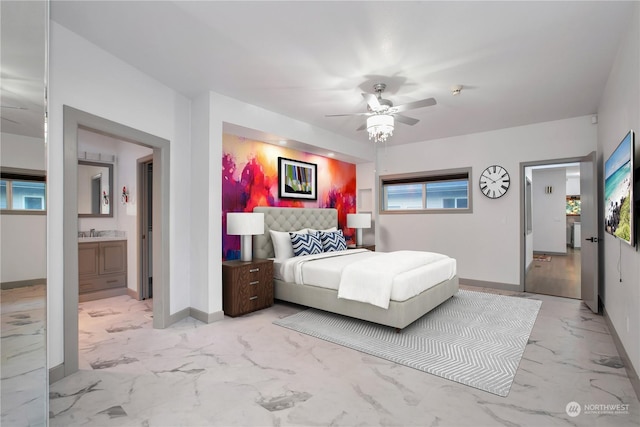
(245, 223)
(360, 220)
(380, 123)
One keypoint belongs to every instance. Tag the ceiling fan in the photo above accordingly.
(382, 113)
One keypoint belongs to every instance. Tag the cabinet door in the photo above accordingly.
(88, 254)
(113, 257)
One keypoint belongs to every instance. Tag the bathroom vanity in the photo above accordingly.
(102, 267)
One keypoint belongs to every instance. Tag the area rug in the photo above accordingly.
(546, 258)
(474, 338)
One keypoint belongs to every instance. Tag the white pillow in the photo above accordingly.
(282, 243)
(311, 230)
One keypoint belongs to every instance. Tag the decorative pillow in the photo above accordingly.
(305, 244)
(332, 241)
(282, 243)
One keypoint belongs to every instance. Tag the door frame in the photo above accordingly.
(523, 224)
(72, 120)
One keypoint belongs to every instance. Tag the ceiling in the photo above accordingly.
(22, 59)
(519, 62)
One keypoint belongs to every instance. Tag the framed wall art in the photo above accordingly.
(297, 180)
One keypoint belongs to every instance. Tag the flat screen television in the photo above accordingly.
(618, 191)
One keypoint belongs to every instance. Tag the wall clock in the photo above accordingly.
(494, 181)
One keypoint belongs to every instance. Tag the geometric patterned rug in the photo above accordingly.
(474, 338)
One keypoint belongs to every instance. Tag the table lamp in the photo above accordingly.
(359, 221)
(245, 224)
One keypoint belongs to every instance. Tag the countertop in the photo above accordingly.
(100, 239)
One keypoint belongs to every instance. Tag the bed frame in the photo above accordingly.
(398, 315)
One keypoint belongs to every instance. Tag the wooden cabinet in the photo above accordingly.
(246, 286)
(102, 269)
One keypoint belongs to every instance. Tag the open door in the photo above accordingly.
(590, 231)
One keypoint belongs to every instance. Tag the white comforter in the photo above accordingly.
(371, 277)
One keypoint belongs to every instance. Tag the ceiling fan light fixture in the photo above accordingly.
(380, 127)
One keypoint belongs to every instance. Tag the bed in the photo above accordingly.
(399, 314)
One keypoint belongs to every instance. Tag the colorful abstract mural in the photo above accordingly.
(250, 179)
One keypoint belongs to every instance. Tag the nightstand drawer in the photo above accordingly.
(246, 286)
(252, 275)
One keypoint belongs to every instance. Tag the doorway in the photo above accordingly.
(559, 202)
(553, 242)
(145, 220)
(74, 119)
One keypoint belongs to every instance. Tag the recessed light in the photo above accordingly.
(331, 154)
(283, 142)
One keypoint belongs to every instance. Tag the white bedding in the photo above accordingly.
(325, 270)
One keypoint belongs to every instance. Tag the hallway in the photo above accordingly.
(555, 274)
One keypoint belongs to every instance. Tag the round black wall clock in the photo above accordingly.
(494, 181)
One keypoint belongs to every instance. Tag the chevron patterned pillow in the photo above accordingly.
(332, 241)
(305, 244)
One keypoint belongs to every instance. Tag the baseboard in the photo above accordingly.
(106, 293)
(178, 316)
(22, 283)
(133, 294)
(196, 314)
(492, 285)
(549, 253)
(631, 372)
(206, 317)
(56, 373)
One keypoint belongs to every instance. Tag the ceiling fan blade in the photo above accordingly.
(372, 101)
(363, 127)
(406, 120)
(348, 114)
(413, 105)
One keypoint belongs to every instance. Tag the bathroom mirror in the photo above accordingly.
(95, 189)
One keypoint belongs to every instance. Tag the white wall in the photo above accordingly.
(619, 111)
(23, 244)
(528, 245)
(573, 185)
(87, 78)
(23, 248)
(24, 152)
(366, 198)
(549, 210)
(486, 243)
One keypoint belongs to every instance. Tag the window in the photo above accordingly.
(22, 192)
(426, 192)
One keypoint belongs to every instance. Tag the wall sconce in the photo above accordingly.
(548, 189)
(245, 224)
(359, 221)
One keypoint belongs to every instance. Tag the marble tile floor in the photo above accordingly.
(248, 372)
(23, 374)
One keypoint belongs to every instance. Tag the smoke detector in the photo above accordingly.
(456, 89)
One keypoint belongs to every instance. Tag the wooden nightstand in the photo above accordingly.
(246, 286)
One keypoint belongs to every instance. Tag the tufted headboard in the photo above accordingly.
(290, 219)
